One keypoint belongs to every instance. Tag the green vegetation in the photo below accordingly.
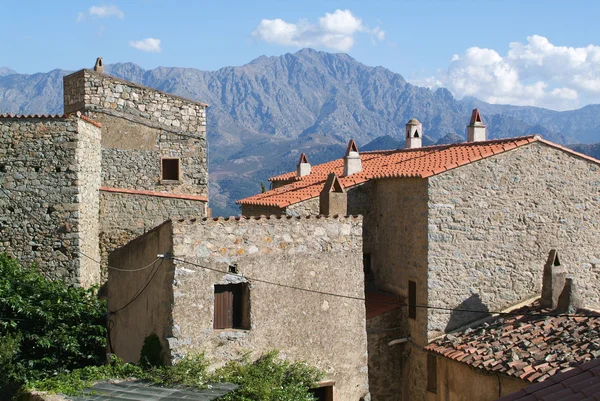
(53, 338)
(46, 327)
(267, 379)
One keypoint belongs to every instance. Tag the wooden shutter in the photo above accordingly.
(223, 307)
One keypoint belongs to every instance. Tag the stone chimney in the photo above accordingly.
(303, 168)
(553, 280)
(99, 67)
(352, 163)
(414, 134)
(569, 300)
(476, 128)
(333, 199)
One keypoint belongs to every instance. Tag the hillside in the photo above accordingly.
(262, 115)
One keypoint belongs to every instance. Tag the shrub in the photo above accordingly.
(269, 378)
(47, 326)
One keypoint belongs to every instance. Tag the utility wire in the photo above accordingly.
(399, 303)
(140, 291)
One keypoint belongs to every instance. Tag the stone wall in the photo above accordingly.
(323, 255)
(49, 175)
(385, 362)
(92, 91)
(125, 216)
(493, 222)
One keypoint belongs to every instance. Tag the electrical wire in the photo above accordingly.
(140, 291)
(399, 304)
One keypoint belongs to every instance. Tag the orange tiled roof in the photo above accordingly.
(420, 162)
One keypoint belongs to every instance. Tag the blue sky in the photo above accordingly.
(533, 52)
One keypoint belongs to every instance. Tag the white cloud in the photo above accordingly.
(106, 12)
(333, 31)
(536, 73)
(147, 45)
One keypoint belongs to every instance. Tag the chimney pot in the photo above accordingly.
(569, 301)
(352, 162)
(333, 198)
(476, 128)
(303, 168)
(553, 280)
(99, 67)
(414, 134)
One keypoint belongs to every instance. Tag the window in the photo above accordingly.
(324, 392)
(232, 306)
(412, 299)
(367, 264)
(170, 169)
(431, 373)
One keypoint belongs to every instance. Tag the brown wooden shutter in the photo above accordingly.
(223, 307)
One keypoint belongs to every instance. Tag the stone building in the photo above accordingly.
(463, 226)
(228, 287)
(135, 158)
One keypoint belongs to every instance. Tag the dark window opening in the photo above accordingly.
(323, 393)
(556, 260)
(416, 134)
(367, 269)
(412, 299)
(2, 168)
(232, 306)
(170, 169)
(431, 373)
(233, 269)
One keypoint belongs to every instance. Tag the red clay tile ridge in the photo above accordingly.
(421, 162)
(303, 159)
(158, 194)
(533, 343)
(271, 217)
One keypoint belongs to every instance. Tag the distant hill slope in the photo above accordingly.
(263, 114)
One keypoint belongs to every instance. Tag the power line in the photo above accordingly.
(399, 303)
(141, 290)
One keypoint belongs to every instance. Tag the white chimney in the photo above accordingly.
(476, 128)
(414, 134)
(303, 168)
(352, 163)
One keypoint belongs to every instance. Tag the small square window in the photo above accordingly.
(170, 169)
(324, 392)
(412, 299)
(232, 306)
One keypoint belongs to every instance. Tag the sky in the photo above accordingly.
(527, 52)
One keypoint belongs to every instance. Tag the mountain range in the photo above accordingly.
(262, 115)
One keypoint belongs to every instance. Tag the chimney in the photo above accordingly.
(352, 163)
(414, 134)
(99, 67)
(303, 168)
(553, 280)
(569, 301)
(476, 128)
(333, 199)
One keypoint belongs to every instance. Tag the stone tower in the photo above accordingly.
(414, 134)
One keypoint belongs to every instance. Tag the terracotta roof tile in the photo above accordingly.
(578, 383)
(530, 345)
(420, 162)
